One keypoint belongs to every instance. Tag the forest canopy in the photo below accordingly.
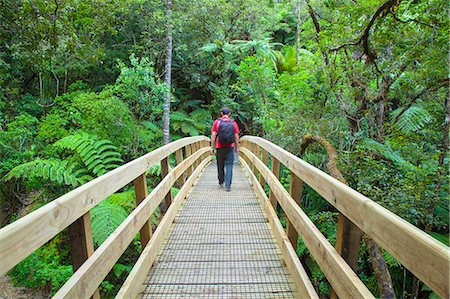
(370, 77)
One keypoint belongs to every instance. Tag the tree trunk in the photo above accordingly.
(299, 24)
(381, 270)
(168, 77)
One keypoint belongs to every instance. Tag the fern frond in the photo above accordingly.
(105, 218)
(98, 156)
(413, 119)
(179, 115)
(124, 199)
(386, 151)
(53, 170)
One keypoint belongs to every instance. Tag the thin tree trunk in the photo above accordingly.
(381, 270)
(299, 24)
(166, 125)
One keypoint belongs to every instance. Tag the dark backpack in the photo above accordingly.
(226, 131)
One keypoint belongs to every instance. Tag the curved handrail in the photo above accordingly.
(90, 275)
(424, 256)
(22, 237)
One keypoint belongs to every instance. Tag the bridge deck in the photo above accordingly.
(220, 246)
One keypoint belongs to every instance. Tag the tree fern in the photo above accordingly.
(124, 199)
(55, 170)
(105, 218)
(386, 151)
(99, 156)
(413, 119)
(190, 124)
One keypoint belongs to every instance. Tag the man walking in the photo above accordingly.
(224, 142)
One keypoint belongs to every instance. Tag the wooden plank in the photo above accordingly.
(46, 222)
(188, 154)
(84, 281)
(81, 241)
(348, 240)
(341, 277)
(276, 171)
(141, 192)
(133, 284)
(264, 159)
(179, 159)
(165, 169)
(303, 283)
(425, 257)
(295, 190)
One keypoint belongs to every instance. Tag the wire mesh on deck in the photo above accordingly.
(220, 246)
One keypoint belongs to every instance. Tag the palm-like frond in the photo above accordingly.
(386, 151)
(54, 170)
(99, 156)
(413, 119)
(105, 218)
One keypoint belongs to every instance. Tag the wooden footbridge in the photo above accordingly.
(217, 244)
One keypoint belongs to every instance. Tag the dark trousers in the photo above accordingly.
(225, 159)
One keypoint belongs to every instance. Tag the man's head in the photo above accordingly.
(225, 111)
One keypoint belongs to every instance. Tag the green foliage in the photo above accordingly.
(140, 89)
(413, 119)
(105, 218)
(98, 156)
(54, 170)
(45, 268)
(192, 124)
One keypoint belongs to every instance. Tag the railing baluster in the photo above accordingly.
(188, 154)
(276, 171)
(179, 159)
(264, 159)
(82, 243)
(140, 190)
(348, 241)
(295, 190)
(255, 150)
(164, 171)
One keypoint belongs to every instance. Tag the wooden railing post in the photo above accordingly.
(194, 149)
(264, 159)
(295, 189)
(179, 159)
(164, 172)
(140, 190)
(256, 151)
(276, 171)
(188, 154)
(348, 241)
(81, 243)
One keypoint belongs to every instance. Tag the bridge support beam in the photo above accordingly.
(140, 190)
(348, 240)
(264, 159)
(295, 190)
(179, 159)
(276, 171)
(81, 243)
(165, 169)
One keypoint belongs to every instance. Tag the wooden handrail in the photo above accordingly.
(135, 280)
(86, 280)
(24, 236)
(341, 277)
(425, 257)
(301, 280)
